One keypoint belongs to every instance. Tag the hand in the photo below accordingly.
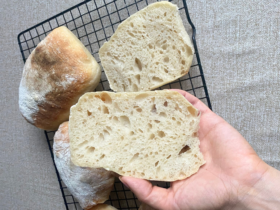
(233, 172)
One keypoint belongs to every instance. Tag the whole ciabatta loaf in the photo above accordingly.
(149, 49)
(150, 135)
(57, 72)
(89, 186)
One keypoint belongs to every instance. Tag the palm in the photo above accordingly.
(230, 162)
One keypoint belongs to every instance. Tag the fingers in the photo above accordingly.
(193, 100)
(152, 195)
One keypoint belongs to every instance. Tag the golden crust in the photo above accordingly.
(57, 72)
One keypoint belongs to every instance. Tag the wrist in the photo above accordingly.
(264, 194)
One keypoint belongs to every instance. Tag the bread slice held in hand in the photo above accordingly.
(57, 72)
(149, 49)
(149, 135)
(89, 186)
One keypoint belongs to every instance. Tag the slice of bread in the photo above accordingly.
(150, 135)
(149, 49)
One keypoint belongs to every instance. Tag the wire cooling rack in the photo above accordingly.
(94, 22)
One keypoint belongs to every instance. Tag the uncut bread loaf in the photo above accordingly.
(149, 49)
(149, 135)
(57, 72)
(89, 186)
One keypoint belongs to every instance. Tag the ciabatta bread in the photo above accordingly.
(149, 135)
(57, 72)
(89, 186)
(149, 49)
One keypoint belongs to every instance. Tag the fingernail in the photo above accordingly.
(123, 181)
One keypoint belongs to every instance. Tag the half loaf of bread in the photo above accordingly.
(150, 135)
(149, 49)
(57, 72)
(89, 186)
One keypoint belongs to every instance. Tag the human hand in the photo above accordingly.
(233, 172)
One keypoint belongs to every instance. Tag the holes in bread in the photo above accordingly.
(152, 136)
(138, 64)
(137, 78)
(106, 135)
(105, 110)
(141, 96)
(131, 34)
(154, 109)
(178, 123)
(169, 156)
(123, 86)
(140, 130)
(125, 121)
(156, 164)
(166, 59)
(105, 98)
(89, 113)
(157, 79)
(161, 52)
(164, 47)
(102, 156)
(173, 47)
(182, 174)
(129, 81)
(131, 24)
(157, 121)
(150, 125)
(165, 104)
(115, 119)
(194, 134)
(137, 108)
(161, 134)
(131, 133)
(135, 156)
(134, 88)
(162, 114)
(91, 149)
(183, 62)
(150, 46)
(192, 111)
(185, 149)
(165, 70)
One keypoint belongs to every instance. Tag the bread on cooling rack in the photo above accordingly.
(149, 135)
(57, 72)
(103, 207)
(149, 49)
(89, 186)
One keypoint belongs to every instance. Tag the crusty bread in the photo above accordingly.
(150, 135)
(103, 207)
(149, 49)
(57, 72)
(89, 186)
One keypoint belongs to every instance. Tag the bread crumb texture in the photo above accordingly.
(149, 135)
(149, 49)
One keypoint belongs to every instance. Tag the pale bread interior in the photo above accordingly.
(150, 135)
(149, 49)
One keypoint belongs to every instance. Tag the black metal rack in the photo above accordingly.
(94, 22)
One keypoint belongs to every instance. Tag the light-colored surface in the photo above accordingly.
(88, 185)
(149, 135)
(238, 43)
(148, 50)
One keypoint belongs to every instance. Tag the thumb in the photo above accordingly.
(154, 196)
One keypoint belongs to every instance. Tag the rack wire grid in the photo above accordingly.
(94, 22)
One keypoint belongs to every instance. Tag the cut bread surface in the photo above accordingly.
(150, 135)
(149, 49)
